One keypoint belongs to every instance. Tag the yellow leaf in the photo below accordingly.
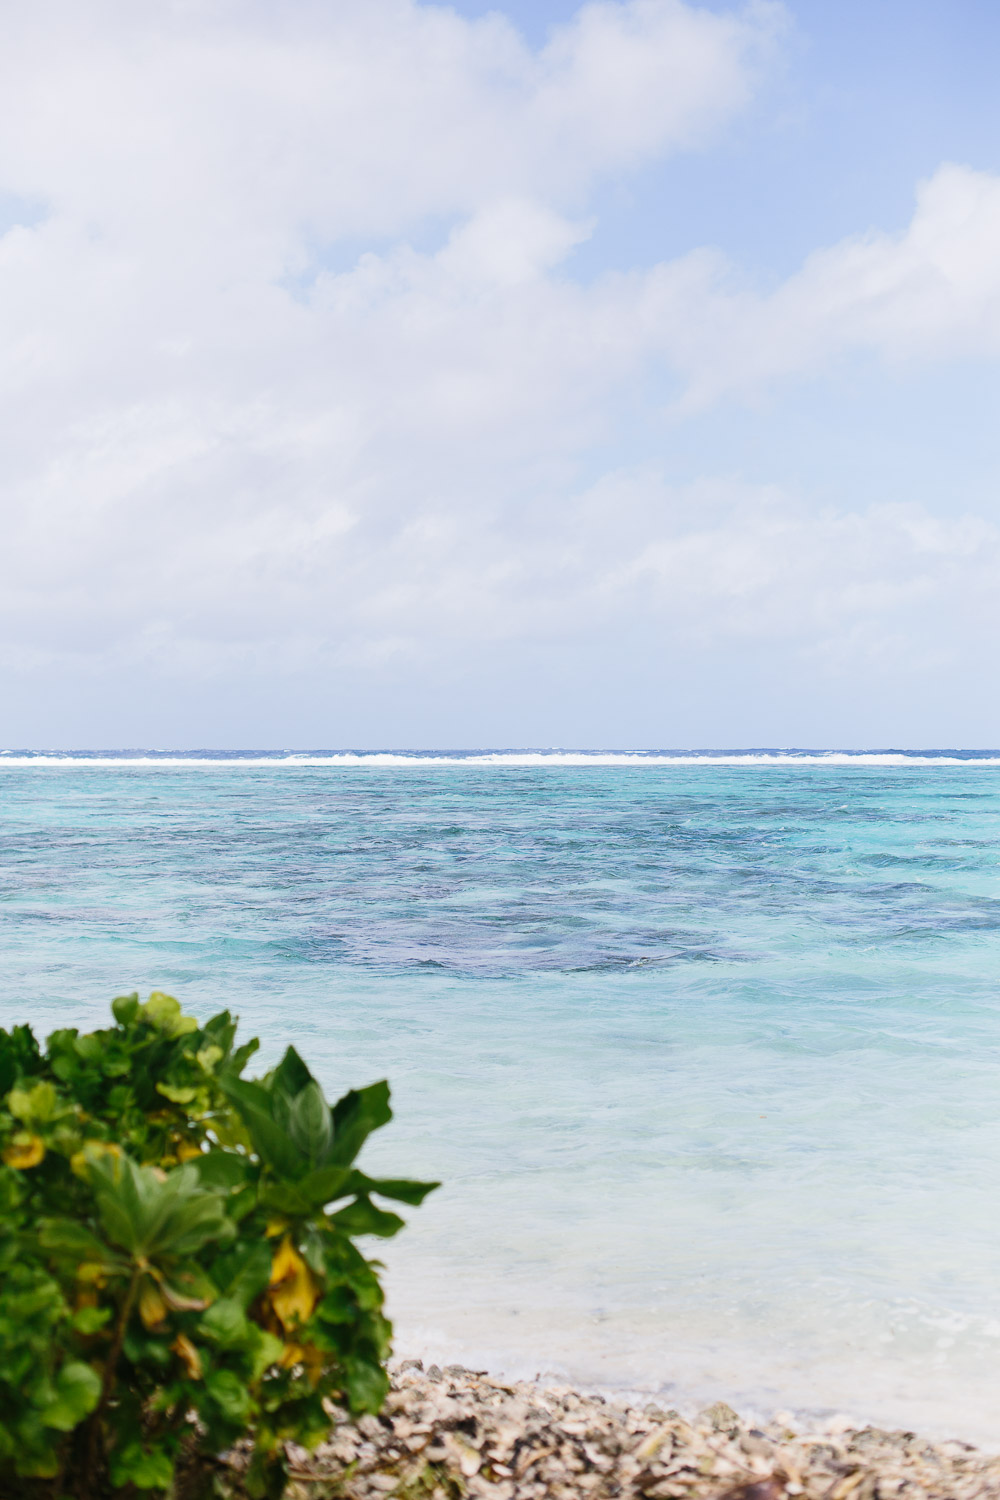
(93, 1272)
(303, 1354)
(24, 1151)
(294, 1289)
(314, 1361)
(90, 1151)
(176, 1093)
(179, 1301)
(275, 1226)
(188, 1150)
(287, 1262)
(152, 1308)
(183, 1347)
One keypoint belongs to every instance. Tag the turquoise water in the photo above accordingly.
(706, 1053)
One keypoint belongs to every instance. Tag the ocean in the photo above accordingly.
(703, 1046)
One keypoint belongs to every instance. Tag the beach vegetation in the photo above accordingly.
(180, 1276)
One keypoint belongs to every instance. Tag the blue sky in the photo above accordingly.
(864, 100)
(388, 374)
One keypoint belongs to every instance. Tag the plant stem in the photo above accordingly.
(111, 1364)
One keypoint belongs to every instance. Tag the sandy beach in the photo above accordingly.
(452, 1433)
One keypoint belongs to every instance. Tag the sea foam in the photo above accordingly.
(556, 759)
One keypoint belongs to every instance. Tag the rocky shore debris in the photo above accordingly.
(457, 1434)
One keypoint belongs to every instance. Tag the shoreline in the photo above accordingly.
(672, 1369)
(446, 1434)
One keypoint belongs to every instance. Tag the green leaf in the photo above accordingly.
(238, 1205)
(225, 1323)
(313, 1244)
(149, 1215)
(69, 1238)
(229, 1394)
(355, 1116)
(362, 1217)
(147, 1470)
(125, 1009)
(291, 1075)
(367, 1385)
(338, 1306)
(90, 1320)
(19, 1056)
(324, 1186)
(34, 1457)
(327, 1184)
(310, 1125)
(90, 1047)
(266, 1475)
(242, 1056)
(264, 1349)
(221, 1029)
(243, 1272)
(402, 1189)
(255, 1108)
(284, 1198)
(164, 1012)
(78, 1390)
(35, 1106)
(206, 1057)
(225, 1170)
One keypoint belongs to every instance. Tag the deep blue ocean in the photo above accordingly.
(705, 1048)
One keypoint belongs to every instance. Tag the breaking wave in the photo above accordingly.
(524, 758)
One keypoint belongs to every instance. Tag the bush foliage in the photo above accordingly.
(178, 1271)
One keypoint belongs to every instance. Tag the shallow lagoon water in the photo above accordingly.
(706, 1055)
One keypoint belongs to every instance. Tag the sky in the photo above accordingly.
(387, 374)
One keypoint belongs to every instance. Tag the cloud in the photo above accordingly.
(352, 119)
(929, 293)
(723, 562)
(214, 434)
(296, 376)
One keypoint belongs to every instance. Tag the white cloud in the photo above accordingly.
(354, 118)
(724, 562)
(251, 426)
(509, 241)
(210, 436)
(931, 292)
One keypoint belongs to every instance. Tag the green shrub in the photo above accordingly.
(177, 1266)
